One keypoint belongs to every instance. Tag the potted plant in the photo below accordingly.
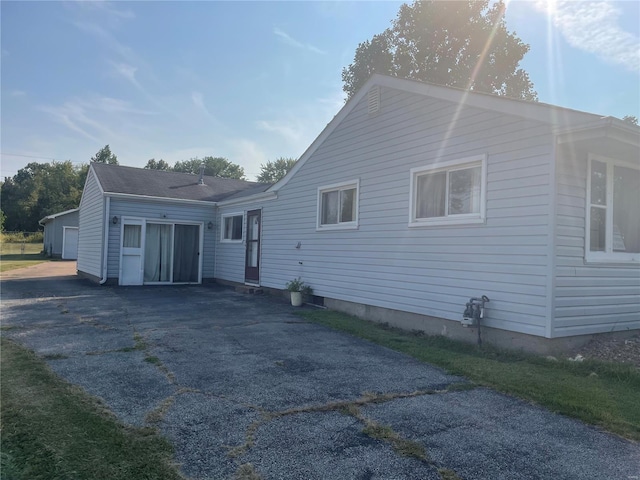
(297, 288)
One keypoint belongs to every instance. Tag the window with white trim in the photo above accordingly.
(232, 227)
(449, 193)
(613, 200)
(338, 206)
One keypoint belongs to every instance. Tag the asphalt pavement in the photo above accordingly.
(240, 383)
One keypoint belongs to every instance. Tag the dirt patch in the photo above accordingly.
(57, 268)
(624, 350)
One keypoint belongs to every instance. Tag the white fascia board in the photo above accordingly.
(131, 196)
(263, 196)
(607, 127)
(56, 215)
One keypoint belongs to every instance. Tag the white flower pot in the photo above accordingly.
(296, 299)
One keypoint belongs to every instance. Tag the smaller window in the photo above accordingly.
(449, 193)
(232, 228)
(338, 206)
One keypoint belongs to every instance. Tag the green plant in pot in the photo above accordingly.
(298, 289)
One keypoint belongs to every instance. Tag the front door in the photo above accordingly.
(252, 260)
(131, 251)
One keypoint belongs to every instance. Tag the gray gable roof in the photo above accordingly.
(175, 185)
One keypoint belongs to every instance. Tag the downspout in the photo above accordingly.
(105, 247)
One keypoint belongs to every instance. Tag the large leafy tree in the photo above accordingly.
(38, 190)
(104, 155)
(152, 164)
(271, 172)
(462, 44)
(213, 166)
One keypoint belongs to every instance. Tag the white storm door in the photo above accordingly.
(131, 261)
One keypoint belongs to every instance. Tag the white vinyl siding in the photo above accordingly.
(162, 212)
(589, 297)
(91, 226)
(430, 271)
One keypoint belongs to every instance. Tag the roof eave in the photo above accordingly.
(132, 196)
(267, 195)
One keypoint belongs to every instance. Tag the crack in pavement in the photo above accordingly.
(352, 407)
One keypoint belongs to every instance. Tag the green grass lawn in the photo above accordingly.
(600, 393)
(16, 255)
(53, 430)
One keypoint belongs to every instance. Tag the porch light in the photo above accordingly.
(210, 225)
(114, 220)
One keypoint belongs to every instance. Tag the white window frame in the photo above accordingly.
(353, 225)
(223, 227)
(608, 256)
(453, 165)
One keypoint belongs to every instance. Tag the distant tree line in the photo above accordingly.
(41, 189)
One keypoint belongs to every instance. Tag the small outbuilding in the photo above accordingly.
(61, 234)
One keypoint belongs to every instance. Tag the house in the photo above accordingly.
(141, 226)
(416, 197)
(61, 234)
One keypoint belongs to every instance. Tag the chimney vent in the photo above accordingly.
(201, 181)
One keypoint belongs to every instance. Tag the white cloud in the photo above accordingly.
(300, 125)
(128, 72)
(248, 155)
(594, 28)
(198, 100)
(101, 119)
(18, 93)
(289, 40)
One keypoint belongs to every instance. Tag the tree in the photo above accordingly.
(630, 119)
(152, 164)
(104, 155)
(38, 190)
(271, 172)
(463, 44)
(213, 166)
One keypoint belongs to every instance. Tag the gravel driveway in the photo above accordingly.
(234, 379)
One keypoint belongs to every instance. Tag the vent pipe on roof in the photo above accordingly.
(201, 181)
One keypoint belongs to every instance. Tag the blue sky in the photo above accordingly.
(251, 81)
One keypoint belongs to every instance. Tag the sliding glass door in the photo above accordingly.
(186, 253)
(172, 253)
(157, 252)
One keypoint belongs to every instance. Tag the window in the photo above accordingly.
(131, 236)
(449, 193)
(613, 223)
(338, 206)
(232, 228)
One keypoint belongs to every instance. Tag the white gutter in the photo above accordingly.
(105, 247)
(163, 199)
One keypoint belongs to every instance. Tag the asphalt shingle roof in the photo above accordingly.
(158, 183)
